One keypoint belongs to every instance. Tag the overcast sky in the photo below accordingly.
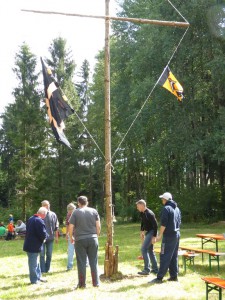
(84, 36)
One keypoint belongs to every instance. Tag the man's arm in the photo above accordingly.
(98, 227)
(71, 228)
(57, 230)
(161, 230)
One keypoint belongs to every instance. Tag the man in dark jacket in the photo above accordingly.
(35, 236)
(170, 234)
(148, 234)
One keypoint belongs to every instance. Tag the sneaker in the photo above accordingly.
(43, 280)
(144, 272)
(172, 279)
(155, 281)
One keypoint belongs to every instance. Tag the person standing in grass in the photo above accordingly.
(11, 231)
(52, 225)
(85, 223)
(170, 235)
(148, 235)
(36, 234)
(70, 208)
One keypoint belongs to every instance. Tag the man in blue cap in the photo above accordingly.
(170, 234)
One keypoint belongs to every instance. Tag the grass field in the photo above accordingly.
(14, 281)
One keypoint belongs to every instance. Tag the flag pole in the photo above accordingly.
(109, 265)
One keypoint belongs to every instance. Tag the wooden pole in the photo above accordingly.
(110, 267)
(123, 19)
(108, 188)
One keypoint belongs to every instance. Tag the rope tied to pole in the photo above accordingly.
(143, 105)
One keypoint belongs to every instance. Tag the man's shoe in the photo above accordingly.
(155, 281)
(43, 280)
(36, 282)
(79, 287)
(144, 273)
(172, 279)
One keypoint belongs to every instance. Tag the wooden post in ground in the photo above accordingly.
(109, 252)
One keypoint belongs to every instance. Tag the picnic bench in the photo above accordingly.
(214, 284)
(186, 257)
(213, 255)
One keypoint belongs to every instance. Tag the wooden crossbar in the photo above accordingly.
(134, 20)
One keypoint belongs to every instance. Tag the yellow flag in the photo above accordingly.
(169, 82)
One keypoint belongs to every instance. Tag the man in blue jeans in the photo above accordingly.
(36, 234)
(85, 224)
(148, 235)
(170, 234)
(52, 225)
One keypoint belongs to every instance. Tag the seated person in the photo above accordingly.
(2, 230)
(20, 228)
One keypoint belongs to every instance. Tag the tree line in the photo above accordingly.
(172, 146)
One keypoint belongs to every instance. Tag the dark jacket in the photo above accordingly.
(148, 221)
(171, 218)
(35, 235)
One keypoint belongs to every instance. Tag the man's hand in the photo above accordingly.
(72, 240)
(142, 235)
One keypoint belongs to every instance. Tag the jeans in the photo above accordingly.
(34, 267)
(87, 248)
(46, 249)
(70, 255)
(169, 256)
(148, 253)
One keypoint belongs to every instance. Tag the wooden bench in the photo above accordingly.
(186, 257)
(214, 284)
(212, 254)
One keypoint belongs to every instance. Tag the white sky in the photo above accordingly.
(84, 36)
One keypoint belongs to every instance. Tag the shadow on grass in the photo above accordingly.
(130, 287)
(13, 276)
(21, 276)
(40, 293)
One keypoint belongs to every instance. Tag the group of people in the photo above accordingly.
(169, 232)
(82, 230)
(12, 231)
(42, 230)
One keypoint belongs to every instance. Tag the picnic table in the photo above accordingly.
(211, 238)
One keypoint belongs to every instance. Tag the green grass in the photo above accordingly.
(14, 281)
